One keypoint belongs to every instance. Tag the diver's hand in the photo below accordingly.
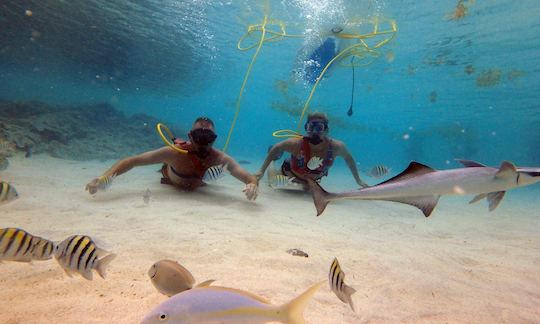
(251, 191)
(92, 186)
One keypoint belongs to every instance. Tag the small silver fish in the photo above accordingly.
(7, 192)
(379, 171)
(297, 252)
(18, 245)
(336, 279)
(280, 181)
(214, 173)
(4, 163)
(79, 254)
(105, 182)
(146, 196)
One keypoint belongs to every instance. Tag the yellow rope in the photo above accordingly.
(285, 133)
(261, 41)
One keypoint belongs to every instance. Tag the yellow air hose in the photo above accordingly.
(171, 145)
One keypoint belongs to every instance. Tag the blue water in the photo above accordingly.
(177, 60)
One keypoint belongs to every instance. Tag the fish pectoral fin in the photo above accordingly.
(470, 164)
(205, 283)
(425, 203)
(478, 198)
(494, 199)
(506, 170)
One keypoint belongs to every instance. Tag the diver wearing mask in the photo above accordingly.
(312, 155)
(186, 171)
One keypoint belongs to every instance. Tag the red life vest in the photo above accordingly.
(299, 164)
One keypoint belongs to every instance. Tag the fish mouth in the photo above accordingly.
(152, 272)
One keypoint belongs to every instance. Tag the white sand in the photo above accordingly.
(461, 265)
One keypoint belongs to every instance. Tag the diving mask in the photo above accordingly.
(202, 136)
(316, 126)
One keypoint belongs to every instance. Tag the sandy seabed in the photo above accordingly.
(461, 265)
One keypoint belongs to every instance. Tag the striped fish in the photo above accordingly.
(379, 171)
(336, 279)
(214, 173)
(7, 193)
(105, 182)
(18, 245)
(280, 181)
(79, 254)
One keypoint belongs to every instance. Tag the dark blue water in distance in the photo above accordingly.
(448, 86)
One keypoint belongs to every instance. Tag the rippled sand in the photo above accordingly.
(461, 265)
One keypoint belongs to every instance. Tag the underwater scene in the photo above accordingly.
(291, 161)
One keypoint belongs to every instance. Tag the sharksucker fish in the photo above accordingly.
(421, 186)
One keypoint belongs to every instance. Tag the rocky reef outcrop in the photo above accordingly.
(95, 131)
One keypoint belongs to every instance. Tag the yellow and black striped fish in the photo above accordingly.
(79, 254)
(7, 192)
(18, 245)
(105, 182)
(214, 173)
(336, 279)
(280, 181)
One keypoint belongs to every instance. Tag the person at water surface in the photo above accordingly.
(311, 155)
(185, 171)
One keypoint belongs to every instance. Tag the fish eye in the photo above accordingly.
(163, 317)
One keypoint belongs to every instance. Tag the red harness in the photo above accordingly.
(195, 160)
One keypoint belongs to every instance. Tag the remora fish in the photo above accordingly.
(227, 306)
(421, 186)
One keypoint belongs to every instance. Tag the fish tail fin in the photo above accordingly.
(348, 291)
(293, 311)
(320, 196)
(103, 263)
(205, 283)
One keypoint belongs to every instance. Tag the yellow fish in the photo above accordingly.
(228, 306)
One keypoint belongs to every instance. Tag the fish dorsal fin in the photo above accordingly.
(205, 283)
(494, 199)
(506, 170)
(425, 203)
(470, 164)
(414, 169)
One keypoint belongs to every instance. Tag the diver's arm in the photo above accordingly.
(163, 154)
(275, 153)
(344, 152)
(152, 157)
(241, 174)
